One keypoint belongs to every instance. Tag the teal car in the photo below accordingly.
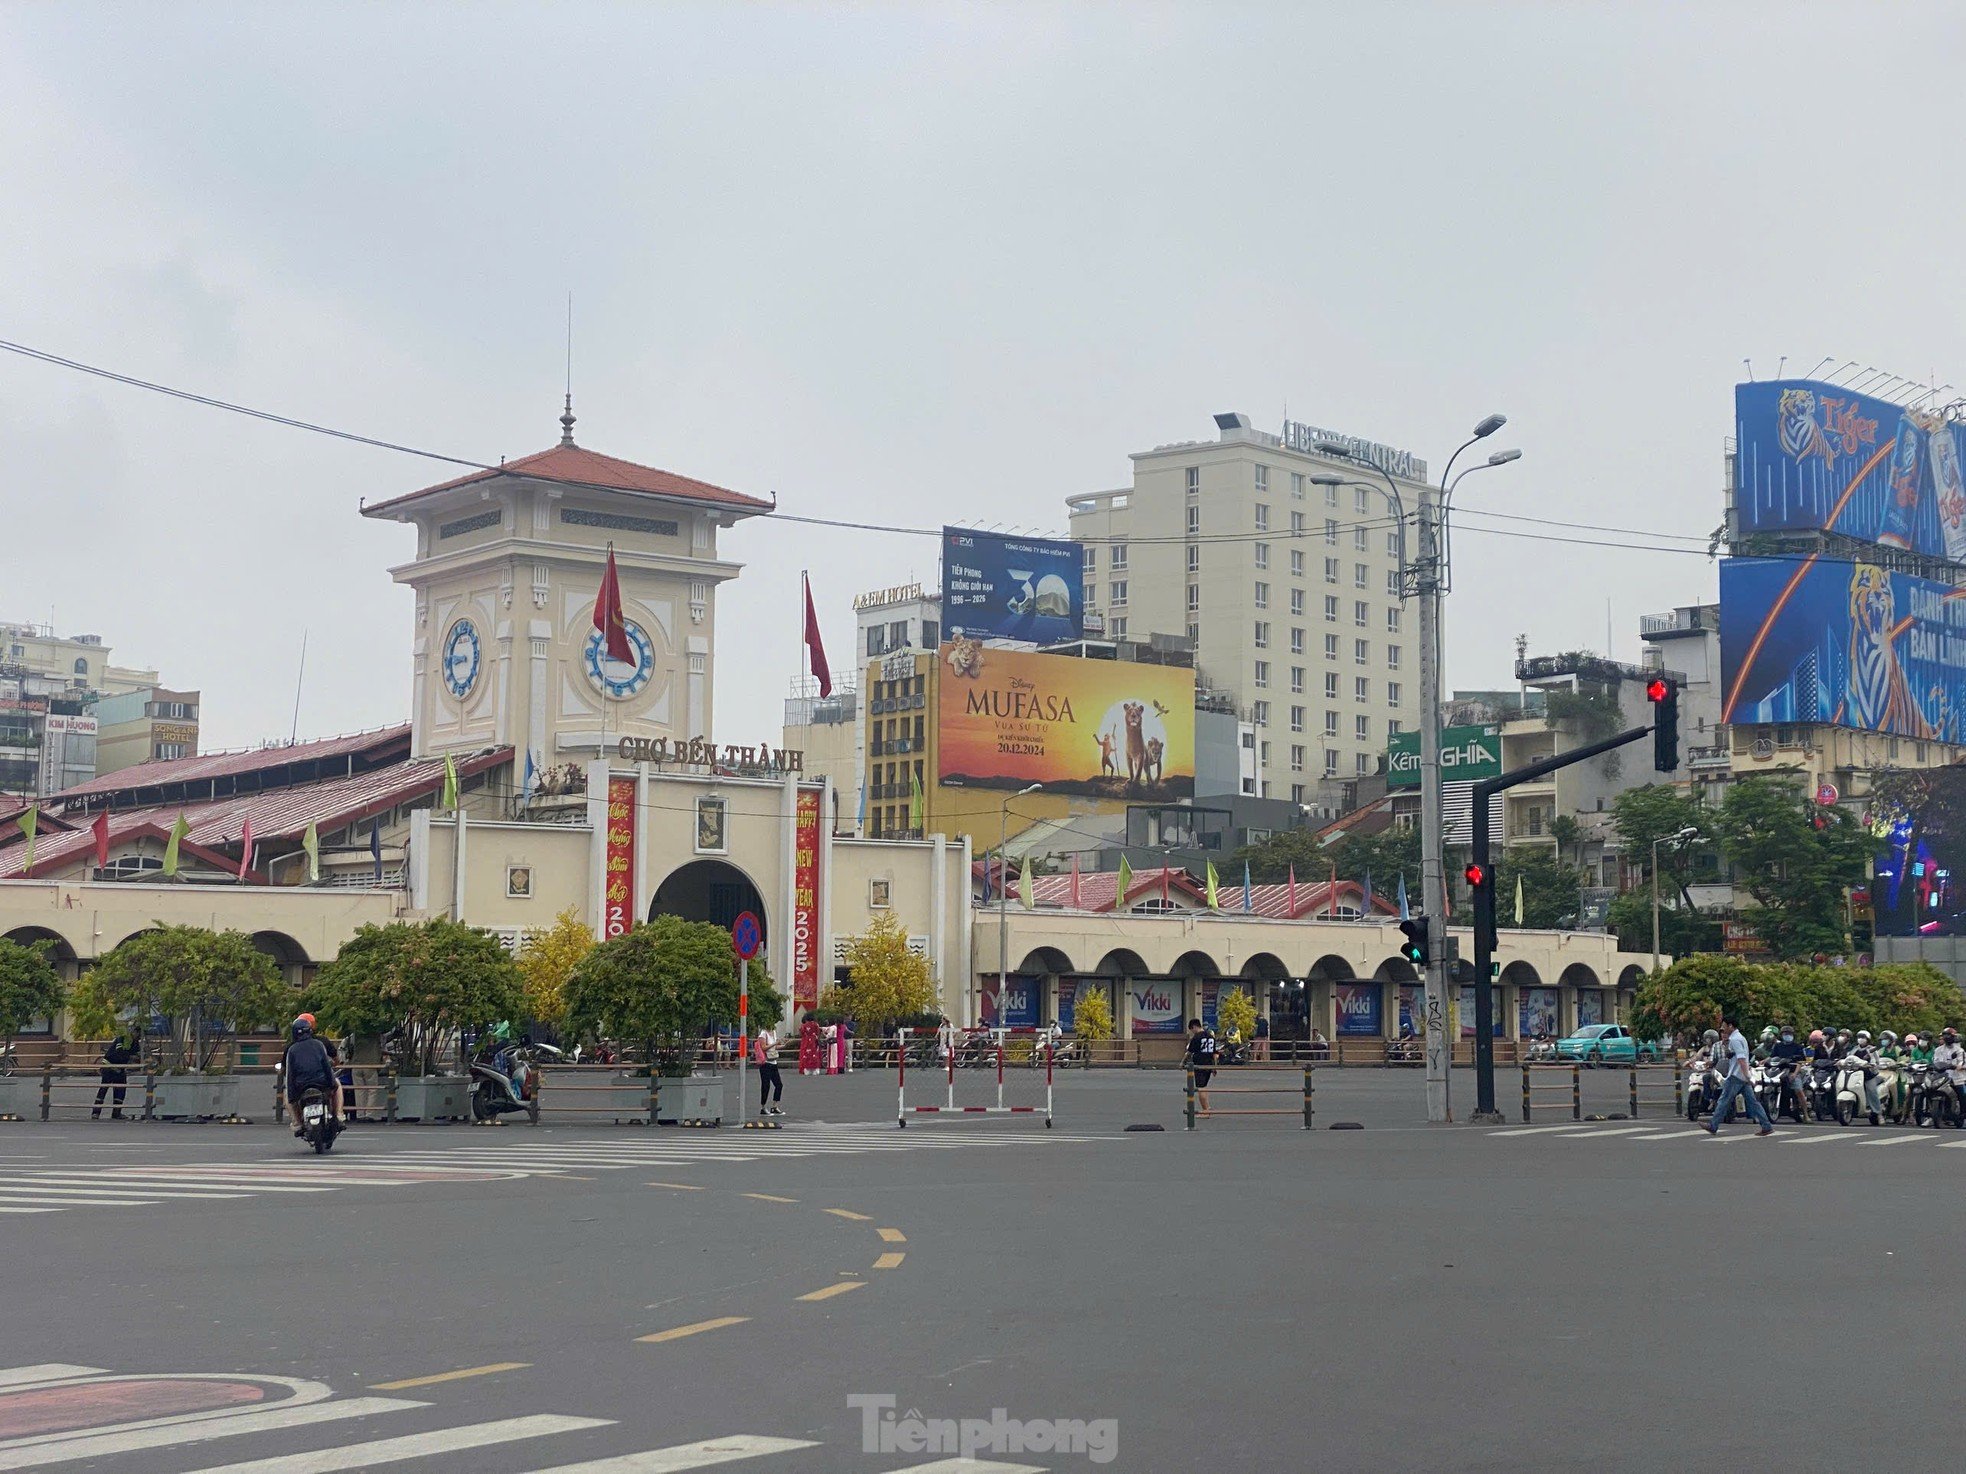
(1605, 1044)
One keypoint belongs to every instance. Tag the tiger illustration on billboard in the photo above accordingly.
(1880, 698)
(1800, 431)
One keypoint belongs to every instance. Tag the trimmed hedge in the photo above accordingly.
(1695, 992)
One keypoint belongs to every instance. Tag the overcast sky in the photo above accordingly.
(916, 263)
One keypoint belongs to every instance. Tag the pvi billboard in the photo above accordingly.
(1011, 588)
(1812, 455)
(1843, 642)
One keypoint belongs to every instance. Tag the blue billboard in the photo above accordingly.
(1813, 456)
(996, 587)
(1844, 642)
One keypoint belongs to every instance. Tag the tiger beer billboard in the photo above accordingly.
(1095, 728)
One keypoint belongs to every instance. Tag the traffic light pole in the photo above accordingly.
(1433, 880)
(1484, 909)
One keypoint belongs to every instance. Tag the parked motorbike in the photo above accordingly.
(505, 1080)
(318, 1127)
(1236, 1053)
(1849, 1100)
(1542, 1051)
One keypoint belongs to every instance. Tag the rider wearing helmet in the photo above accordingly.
(1861, 1052)
(1951, 1058)
(1887, 1045)
(309, 1066)
(1789, 1053)
(1765, 1045)
(1918, 1050)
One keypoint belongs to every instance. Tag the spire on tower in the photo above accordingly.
(566, 422)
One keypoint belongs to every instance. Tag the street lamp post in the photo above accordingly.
(1003, 899)
(1686, 836)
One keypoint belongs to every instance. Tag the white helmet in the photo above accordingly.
(1863, 1036)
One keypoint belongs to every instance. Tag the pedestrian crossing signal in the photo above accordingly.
(1664, 696)
(1476, 875)
(1414, 949)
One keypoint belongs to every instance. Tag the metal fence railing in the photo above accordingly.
(1570, 1083)
(1195, 1091)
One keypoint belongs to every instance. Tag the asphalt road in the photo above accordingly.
(1251, 1296)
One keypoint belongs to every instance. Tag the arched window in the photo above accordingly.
(81, 666)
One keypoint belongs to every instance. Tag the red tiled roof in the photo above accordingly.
(275, 813)
(56, 856)
(574, 466)
(1271, 902)
(206, 766)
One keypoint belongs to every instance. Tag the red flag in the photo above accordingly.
(607, 615)
(814, 648)
(1075, 882)
(245, 848)
(100, 829)
(1292, 912)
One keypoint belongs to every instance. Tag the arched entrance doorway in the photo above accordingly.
(709, 890)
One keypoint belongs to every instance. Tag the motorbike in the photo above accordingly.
(505, 1080)
(1941, 1103)
(1893, 1091)
(1766, 1078)
(1236, 1053)
(1542, 1051)
(1819, 1089)
(1702, 1088)
(318, 1127)
(1848, 1100)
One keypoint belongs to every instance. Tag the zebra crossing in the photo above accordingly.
(381, 1160)
(1785, 1136)
(102, 1420)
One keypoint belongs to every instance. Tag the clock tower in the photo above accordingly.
(508, 564)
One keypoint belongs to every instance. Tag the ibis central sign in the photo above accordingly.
(1390, 459)
(1467, 755)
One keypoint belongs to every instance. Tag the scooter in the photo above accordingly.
(318, 1127)
(1849, 1100)
(505, 1081)
(1820, 1089)
(1943, 1102)
(1766, 1077)
(1893, 1091)
(1702, 1088)
(1542, 1051)
(1788, 1090)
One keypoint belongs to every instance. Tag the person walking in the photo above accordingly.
(121, 1051)
(1200, 1057)
(771, 1086)
(1262, 1050)
(1736, 1084)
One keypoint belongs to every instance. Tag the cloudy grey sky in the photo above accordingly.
(916, 263)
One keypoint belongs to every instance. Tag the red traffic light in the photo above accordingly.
(1658, 689)
(1477, 875)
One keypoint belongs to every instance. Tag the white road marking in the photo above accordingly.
(92, 1187)
(1814, 1138)
(36, 1453)
(55, 1201)
(685, 1456)
(1891, 1140)
(1534, 1130)
(47, 1371)
(414, 1446)
(30, 1210)
(971, 1466)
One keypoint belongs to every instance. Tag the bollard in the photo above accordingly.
(149, 1097)
(1191, 1098)
(655, 1093)
(1678, 1085)
(1576, 1093)
(276, 1089)
(47, 1091)
(1525, 1095)
(1634, 1089)
(1308, 1088)
(389, 1094)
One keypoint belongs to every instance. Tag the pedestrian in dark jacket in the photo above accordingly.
(121, 1051)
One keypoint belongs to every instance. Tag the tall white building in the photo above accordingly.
(1288, 586)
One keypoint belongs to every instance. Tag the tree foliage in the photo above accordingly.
(660, 985)
(1658, 812)
(1682, 930)
(1092, 1016)
(30, 988)
(429, 979)
(885, 980)
(1235, 1012)
(1797, 859)
(1694, 993)
(546, 962)
(205, 984)
(1385, 856)
(1551, 890)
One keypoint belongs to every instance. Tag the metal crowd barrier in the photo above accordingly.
(1309, 1090)
(1648, 1075)
(1576, 1088)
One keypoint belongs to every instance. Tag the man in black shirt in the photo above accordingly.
(1200, 1057)
(120, 1052)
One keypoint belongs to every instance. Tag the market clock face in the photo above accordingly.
(617, 679)
(462, 657)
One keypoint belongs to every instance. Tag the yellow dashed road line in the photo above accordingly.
(768, 1198)
(676, 1333)
(854, 1217)
(456, 1376)
(890, 1261)
(831, 1290)
(685, 1187)
(892, 1235)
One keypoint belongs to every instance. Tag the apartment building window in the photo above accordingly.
(1393, 729)
(1331, 685)
(1362, 763)
(1117, 627)
(1331, 496)
(1331, 721)
(1194, 598)
(1361, 689)
(1330, 647)
(1331, 762)
(1361, 499)
(1331, 570)
(1361, 652)
(1091, 559)
(1091, 594)
(1119, 592)
(1259, 713)
(1262, 555)
(165, 751)
(1262, 517)
(1359, 576)
(1296, 603)
(1362, 728)
(1296, 718)
(1360, 613)
(1262, 675)
(1296, 757)
(1297, 793)
(1358, 539)
(1261, 592)
(1262, 478)
(1392, 620)
(1297, 680)
(1194, 560)
(1392, 583)
(1296, 486)
(1392, 545)
(1392, 693)
(1194, 632)
(1296, 639)
(1331, 532)
(1296, 524)
(1263, 758)
(1119, 556)
(1194, 521)
(1262, 634)
(1392, 657)
(1194, 480)
(1296, 563)
(1331, 607)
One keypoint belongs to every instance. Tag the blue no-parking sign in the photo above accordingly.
(746, 935)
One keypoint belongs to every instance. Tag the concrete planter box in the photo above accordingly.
(195, 1097)
(624, 1098)
(699, 1098)
(433, 1098)
(20, 1095)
